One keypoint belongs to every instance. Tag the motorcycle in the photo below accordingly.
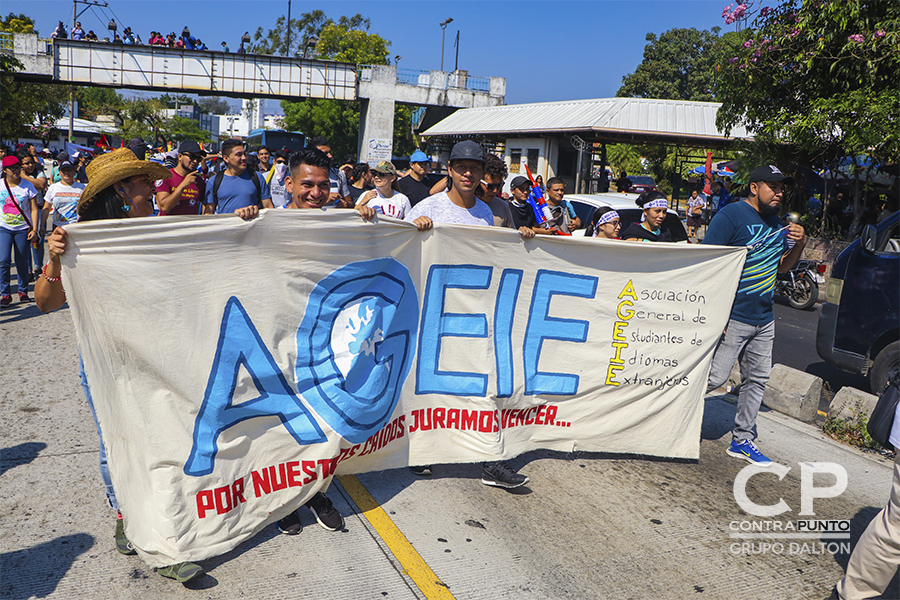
(800, 285)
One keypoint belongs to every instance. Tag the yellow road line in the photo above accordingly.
(413, 564)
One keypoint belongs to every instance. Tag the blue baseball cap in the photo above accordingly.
(419, 156)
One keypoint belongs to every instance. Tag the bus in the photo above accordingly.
(275, 139)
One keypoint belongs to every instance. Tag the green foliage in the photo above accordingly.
(346, 40)
(177, 100)
(821, 75)
(336, 120)
(852, 431)
(624, 157)
(23, 105)
(178, 129)
(95, 101)
(308, 26)
(352, 45)
(14, 23)
(679, 65)
(214, 106)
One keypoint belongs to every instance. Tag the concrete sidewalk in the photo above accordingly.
(586, 526)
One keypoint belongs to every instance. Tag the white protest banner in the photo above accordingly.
(237, 366)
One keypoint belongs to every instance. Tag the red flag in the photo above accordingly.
(103, 143)
(123, 143)
(707, 189)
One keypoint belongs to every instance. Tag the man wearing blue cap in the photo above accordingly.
(417, 185)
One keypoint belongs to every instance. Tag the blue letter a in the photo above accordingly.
(240, 344)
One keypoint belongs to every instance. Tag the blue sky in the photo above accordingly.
(549, 50)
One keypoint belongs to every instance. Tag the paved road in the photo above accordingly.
(795, 346)
(587, 526)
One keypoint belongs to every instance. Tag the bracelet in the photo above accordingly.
(48, 278)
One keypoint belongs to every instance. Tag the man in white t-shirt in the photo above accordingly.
(61, 200)
(459, 205)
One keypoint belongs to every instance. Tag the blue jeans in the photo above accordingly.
(752, 346)
(104, 466)
(13, 242)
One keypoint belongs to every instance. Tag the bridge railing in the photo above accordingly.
(454, 80)
(7, 42)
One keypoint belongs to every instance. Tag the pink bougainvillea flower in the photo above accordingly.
(880, 33)
(764, 11)
(859, 39)
(748, 43)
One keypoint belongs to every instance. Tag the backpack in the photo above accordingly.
(220, 176)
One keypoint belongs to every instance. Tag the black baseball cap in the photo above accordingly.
(467, 150)
(518, 181)
(769, 174)
(190, 147)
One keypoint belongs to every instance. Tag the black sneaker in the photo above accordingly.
(423, 471)
(500, 474)
(290, 525)
(327, 516)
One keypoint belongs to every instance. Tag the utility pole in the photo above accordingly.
(443, 30)
(456, 64)
(75, 15)
(288, 48)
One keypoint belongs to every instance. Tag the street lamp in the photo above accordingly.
(397, 58)
(310, 46)
(443, 29)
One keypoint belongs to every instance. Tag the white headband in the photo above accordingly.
(658, 203)
(607, 217)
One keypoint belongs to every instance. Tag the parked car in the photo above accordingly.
(629, 212)
(641, 184)
(859, 326)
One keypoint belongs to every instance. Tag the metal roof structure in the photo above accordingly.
(603, 119)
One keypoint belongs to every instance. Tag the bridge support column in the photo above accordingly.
(376, 130)
(376, 118)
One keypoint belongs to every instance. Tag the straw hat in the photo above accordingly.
(115, 166)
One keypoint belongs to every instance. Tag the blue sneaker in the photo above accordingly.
(749, 452)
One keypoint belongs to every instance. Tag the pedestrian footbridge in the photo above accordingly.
(175, 70)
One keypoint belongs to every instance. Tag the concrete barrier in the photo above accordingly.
(849, 404)
(793, 393)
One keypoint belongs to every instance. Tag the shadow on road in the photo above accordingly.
(36, 571)
(22, 454)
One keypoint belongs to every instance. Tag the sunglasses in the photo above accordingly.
(379, 175)
(494, 187)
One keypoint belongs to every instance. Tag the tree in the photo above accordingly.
(304, 29)
(821, 76)
(214, 106)
(679, 65)
(95, 101)
(338, 120)
(20, 23)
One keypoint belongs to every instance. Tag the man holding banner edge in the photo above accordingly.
(750, 332)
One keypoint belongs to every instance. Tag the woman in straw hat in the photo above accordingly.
(119, 186)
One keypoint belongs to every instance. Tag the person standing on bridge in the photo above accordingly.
(750, 333)
(78, 32)
(236, 187)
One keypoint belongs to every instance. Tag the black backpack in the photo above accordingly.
(217, 181)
